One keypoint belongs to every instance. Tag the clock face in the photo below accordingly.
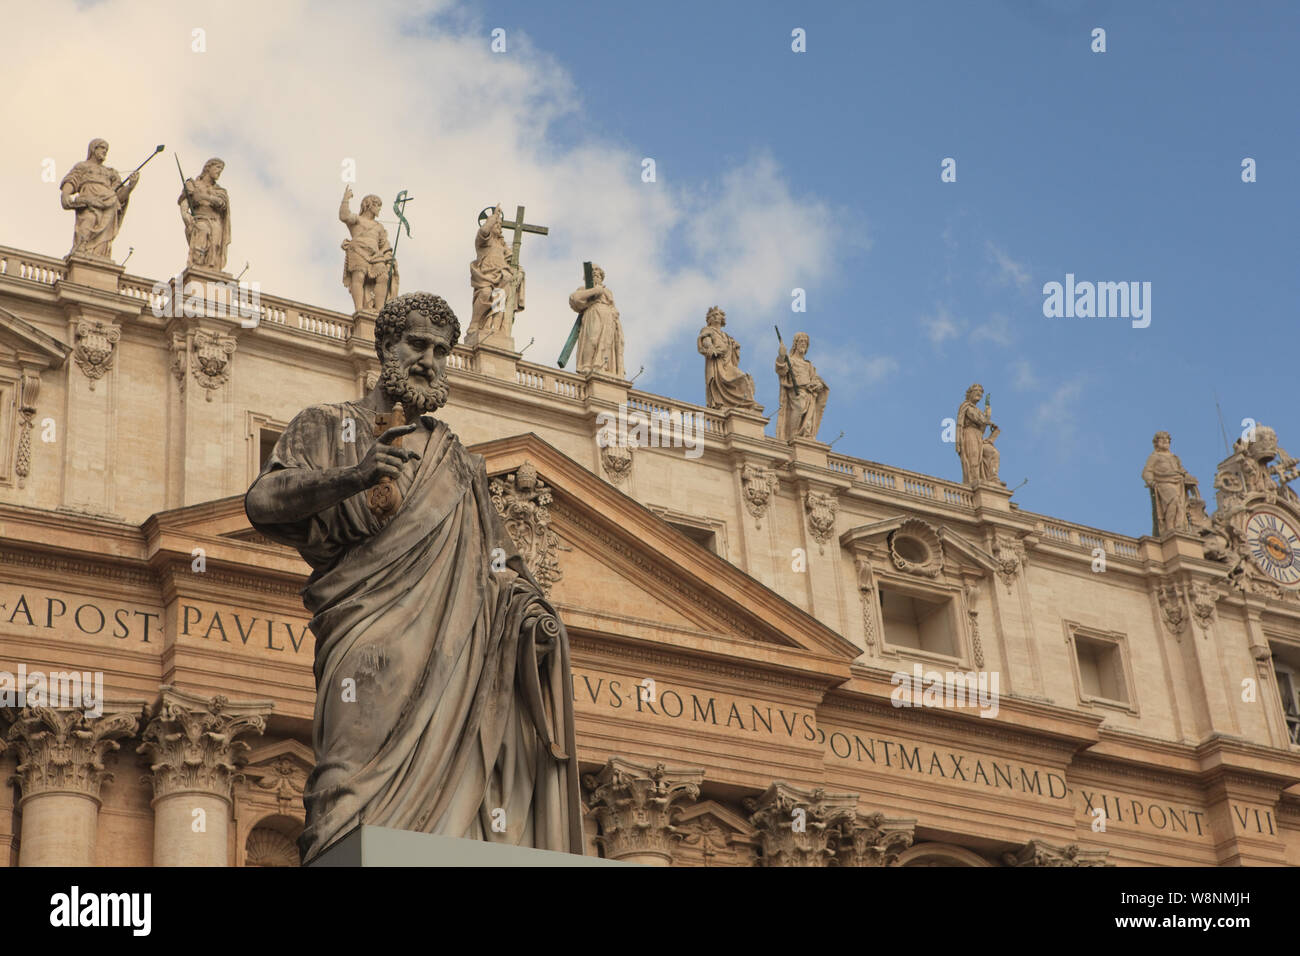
(1275, 545)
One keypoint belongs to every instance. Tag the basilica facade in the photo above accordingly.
(781, 655)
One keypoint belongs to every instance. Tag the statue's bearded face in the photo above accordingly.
(100, 150)
(415, 366)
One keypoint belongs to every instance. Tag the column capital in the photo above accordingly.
(634, 804)
(62, 750)
(1042, 853)
(872, 840)
(191, 741)
(799, 827)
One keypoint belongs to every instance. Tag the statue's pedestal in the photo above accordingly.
(381, 846)
(92, 271)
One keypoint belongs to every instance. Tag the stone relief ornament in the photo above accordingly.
(523, 500)
(28, 389)
(616, 460)
(1171, 608)
(1255, 528)
(972, 593)
(1009, 552)
(212, 352)
(1204, 598)
(821, 508)
(759, 484)
(867, 593)
(915, 548)
(95, 348)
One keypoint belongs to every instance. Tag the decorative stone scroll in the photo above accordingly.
(212, 360)
(760, 485)
(820, 508)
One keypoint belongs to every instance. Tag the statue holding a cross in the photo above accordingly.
(495, 275)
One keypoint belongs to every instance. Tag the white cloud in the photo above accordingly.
(1058, 415)
(847, 371)
(287, 91)
(996, 330)
(1010, 272)
(941, 326)
(1025, 378)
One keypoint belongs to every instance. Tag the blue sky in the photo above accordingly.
(774, 169)
(1115, 166)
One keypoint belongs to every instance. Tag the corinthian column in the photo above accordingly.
(872, 840)
(60, 770)
(193, 754)
(634, 804)
(799, 827)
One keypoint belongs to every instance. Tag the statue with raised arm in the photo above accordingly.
(803, 393)
(205, 210)
(971, 423)
(368, 256)
(98, 196)
(492, 278)
(443, 695)
(725, 385)
(600, 341)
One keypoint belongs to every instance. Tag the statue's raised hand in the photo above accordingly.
(384, 459)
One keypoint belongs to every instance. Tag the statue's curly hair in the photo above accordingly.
(392, 317)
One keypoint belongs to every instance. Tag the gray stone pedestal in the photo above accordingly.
(381, 846)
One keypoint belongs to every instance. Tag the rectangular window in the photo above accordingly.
(924, 624)
(267, 437)
(1286, 688)
(1101, 667)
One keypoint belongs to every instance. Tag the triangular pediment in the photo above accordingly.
(25, 343)
(956, 547)
(632, 572)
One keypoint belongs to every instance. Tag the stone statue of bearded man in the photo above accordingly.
(462, 705)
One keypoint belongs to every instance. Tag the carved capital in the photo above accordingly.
(212, 359)
(96, 347)
(523, 500)
(759, 485)
(820, 508)
(1040, 853)
(799, 827)
(61, 750)
(191, 742)
(872, 840)
(634, 805)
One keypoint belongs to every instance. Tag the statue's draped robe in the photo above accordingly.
(489, 272)
(453, 716)
(725, 385)
(209, 235)
(800, 413)
(971, 423)
(1164, 472)
(95, 227)
(600, 340)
